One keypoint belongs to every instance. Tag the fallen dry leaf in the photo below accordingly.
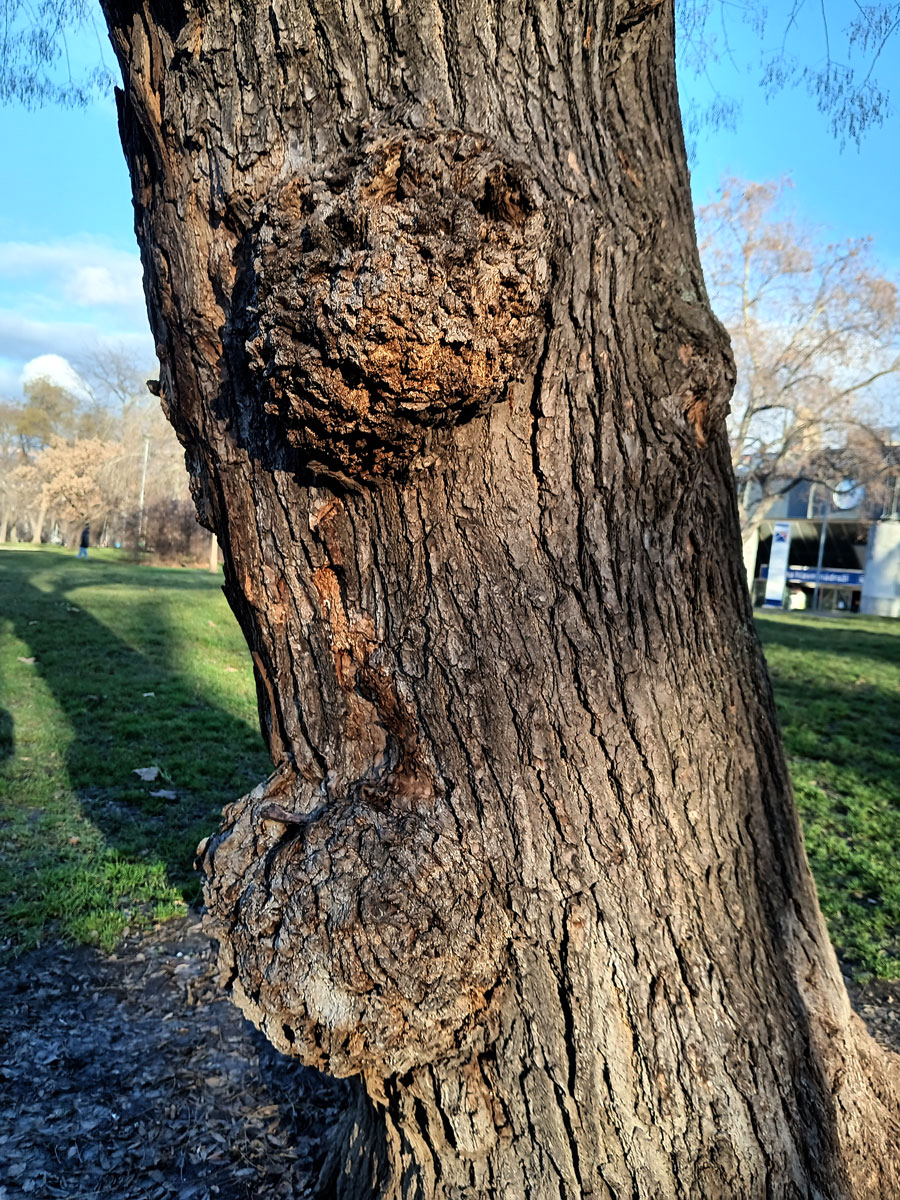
(131, 1075)
(148, 774)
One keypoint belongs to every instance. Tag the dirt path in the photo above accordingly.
(129, 1077)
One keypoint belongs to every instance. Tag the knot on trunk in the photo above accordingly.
(359, 938)
(696, 363)
(402, 290)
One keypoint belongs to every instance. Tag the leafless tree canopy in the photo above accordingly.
(98, 452)
(815, 330)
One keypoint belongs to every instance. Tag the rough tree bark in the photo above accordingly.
(433, 332)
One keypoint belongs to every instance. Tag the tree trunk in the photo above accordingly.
(433, 331)
(38, 526)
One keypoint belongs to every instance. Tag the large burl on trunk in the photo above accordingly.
(433, 332)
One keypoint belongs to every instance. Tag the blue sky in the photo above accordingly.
(70, 273)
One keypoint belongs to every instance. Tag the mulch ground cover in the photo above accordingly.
(129, 1076)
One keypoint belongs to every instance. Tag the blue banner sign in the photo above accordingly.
(853, 579)
(776, 576)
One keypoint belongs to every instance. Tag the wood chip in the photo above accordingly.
(106, 1095)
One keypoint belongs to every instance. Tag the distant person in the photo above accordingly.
(85, 542)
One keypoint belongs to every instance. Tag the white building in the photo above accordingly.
(839, 559)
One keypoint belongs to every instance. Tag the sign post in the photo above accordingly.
(778, 565)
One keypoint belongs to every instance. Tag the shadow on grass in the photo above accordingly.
(832, 636)
(122, 701)
(837, 694)
(7, 736)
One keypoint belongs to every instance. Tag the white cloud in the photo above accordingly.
(86, 272)
(24, 340)
(101, 285)
(55, 368)
(70, 298)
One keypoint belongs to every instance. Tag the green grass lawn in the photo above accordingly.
(138, 667)
(837, 685)
(133, 667)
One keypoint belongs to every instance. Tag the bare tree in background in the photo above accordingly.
(78, 481)
(815, 331)
(152, 481)
(49, 433)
